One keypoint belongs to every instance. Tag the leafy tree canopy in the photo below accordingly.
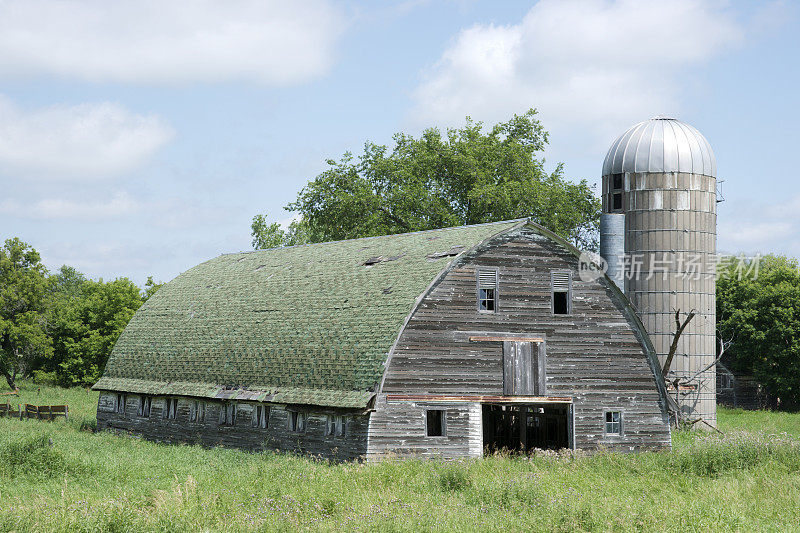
(150, 288)
(63, 324)
(758, 307)
(271, 235)
(463, 176)
(86, 323)
(22, 323)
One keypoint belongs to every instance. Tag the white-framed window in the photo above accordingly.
(335, 426)
(145, 402)
(613, 422)
(171, 408)
(487, 290)
(120, 408)
(260, 416)
(197, 411)
(436, 423)
(297, 421)
(227, 414)
(561, 292)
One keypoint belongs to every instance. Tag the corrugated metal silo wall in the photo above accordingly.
(670, 241)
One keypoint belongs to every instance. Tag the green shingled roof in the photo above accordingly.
(306, 324)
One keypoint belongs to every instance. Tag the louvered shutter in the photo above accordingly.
(487, 279)
(561, 281)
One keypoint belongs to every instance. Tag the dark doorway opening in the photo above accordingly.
(522, 428)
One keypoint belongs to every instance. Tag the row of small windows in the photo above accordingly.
(296, 420)
(560, 291)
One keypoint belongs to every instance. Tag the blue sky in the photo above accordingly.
(140, 138)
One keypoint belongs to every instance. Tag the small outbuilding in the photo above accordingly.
(443, 343)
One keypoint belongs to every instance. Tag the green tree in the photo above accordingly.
(271, 235)
(758, 307)
(150, 288)
(23, 336)
(86, 323)
(464, 176)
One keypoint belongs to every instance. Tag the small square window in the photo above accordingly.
(171, 410)
(260, 416)
(613, 423)
(435, 422)
(297, 422)
(227, 414)
(335, 426)
(617, 181)
(486, 300)
(617, 199)
(197, 411)
(145, 402)
(560, 303)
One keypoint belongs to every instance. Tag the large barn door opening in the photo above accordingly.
(522, 428)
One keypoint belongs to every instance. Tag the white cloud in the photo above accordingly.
(588, 63)
(110, 259)
(179, 41)
(119, 205)
(85, 141)
(748, 227)
(752, 235)
(169, 213)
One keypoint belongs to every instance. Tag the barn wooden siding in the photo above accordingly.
(314, 441)
(593, 355)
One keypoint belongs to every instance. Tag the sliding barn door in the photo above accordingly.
(524, 368)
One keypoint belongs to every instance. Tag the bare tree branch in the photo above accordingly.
(674, 346)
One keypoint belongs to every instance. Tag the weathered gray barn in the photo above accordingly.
(442, 343)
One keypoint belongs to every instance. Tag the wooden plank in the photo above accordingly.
(476, 398)
(508, 368)
(525, 368)
(476, 338)
(540, 369)
(59, 411)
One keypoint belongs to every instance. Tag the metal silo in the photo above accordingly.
(661, 174)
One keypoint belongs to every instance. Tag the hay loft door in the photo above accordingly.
(524, 368)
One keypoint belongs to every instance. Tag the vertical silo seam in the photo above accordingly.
(622, 141)
(677, 151)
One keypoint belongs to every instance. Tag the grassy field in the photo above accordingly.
(62, 477)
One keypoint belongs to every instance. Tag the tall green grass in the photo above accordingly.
(56, 477)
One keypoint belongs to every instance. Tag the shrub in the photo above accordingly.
(89, 424)
(454, 478)
(33, 455)
(40, 377)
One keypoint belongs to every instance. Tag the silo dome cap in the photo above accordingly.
(661, 144)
